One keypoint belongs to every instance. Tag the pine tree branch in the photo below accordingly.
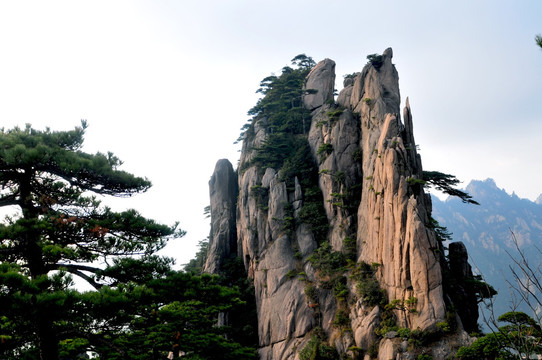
(78, 271)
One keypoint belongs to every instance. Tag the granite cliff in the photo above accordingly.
(328, 213)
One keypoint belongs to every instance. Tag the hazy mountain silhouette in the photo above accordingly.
(487, 231)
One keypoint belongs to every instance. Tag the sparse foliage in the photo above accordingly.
(303, 61)
(515, 334)
(446, 183)
(376, 60)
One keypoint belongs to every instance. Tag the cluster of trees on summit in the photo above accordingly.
(56, 230)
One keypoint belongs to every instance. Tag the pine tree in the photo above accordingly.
(61, 230)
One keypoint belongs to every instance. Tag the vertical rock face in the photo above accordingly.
(340, 170)
(223, 194)
(461, 272)
(394, 216)
(378, 217)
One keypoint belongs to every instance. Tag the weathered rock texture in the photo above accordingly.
(369, 178)
(223, 194)
(322, 81)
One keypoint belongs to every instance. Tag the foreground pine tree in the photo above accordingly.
(60, 231)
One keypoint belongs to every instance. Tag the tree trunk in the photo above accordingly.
(48, 342)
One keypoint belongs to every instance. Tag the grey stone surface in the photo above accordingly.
(321, 81)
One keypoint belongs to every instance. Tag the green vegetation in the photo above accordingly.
(351, 76)
(288, 221)
(424, 357)
(487, 347)
(242, 323)
(340, 290)
(334, 114)
(367, 286)
(313, 214)
(291, 274)
(139, 308)
(350, 248)
(375, 60)
(414, 181)
(538, 40)
(357, 155)
(285, 147)
(281, 104)
(480, 288)
(316, 349)
(311, 292)
(157, 317)
(372, 351)
(388, 322)
(324, 150)
(339, 177)
(408, 305)
(445, 183)
(261, 194)
(326, 261)
(519, 338)
(285, 118)
(342, 319)
(441, 232)
(195, 265)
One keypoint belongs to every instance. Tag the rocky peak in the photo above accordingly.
(319, 85)
(332, 221)
(376, 87)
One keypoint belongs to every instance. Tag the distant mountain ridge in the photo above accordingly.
(487, 231)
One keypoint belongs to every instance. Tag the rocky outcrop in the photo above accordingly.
(393, 219)
(376, 214)
(319, 85)
(223, 196)
(340, 171)
(462, 280)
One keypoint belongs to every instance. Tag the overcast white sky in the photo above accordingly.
(166, 85)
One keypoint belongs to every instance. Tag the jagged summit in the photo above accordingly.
(332, 222)
(478, 187)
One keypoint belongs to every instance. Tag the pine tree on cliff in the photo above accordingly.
(60, 230)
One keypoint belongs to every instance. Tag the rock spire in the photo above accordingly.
(339, 256)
